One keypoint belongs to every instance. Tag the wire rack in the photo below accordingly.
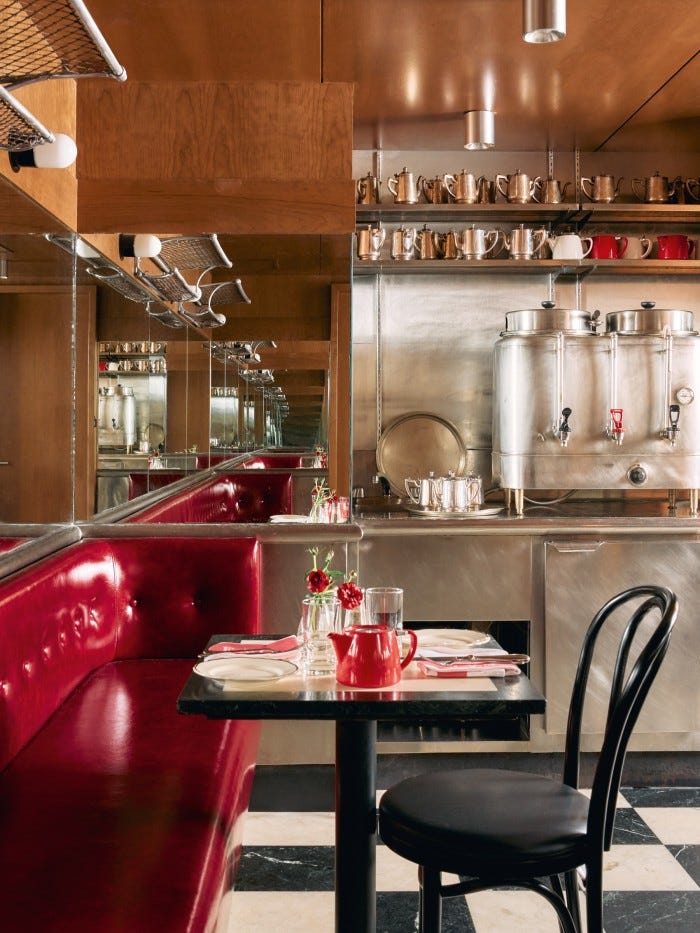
(18, 128)
(121, 283)
(194, 252)
(165, 316)
(41, 39)
(171, 286)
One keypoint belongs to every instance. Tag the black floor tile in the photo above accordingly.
(652, 911)
(286, 868)
(397, 912)
(630, 829)
(662, 796)
(689, 858)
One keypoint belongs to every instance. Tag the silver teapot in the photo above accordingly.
(404, 187)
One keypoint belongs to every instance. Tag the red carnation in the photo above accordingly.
(317, 581)
(350, 595)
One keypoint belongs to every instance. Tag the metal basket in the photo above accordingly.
(19, 130)
(42, 39)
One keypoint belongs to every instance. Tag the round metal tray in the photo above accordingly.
(475, 513)
(417, 444)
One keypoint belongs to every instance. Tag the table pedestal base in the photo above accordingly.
(355, 826)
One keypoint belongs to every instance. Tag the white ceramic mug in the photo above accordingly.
(638, 247)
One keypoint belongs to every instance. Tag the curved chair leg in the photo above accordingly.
(594, 895)
(571, 883)
(430, 901)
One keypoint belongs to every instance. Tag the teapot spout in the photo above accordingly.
(341, 643)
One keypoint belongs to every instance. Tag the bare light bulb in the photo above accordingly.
(84, 250)
(140, 246)
(60, 153)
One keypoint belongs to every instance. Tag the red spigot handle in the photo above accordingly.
(616, 414)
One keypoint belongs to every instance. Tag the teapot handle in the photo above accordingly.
(380, 234)
(646, 246)
(693, 183)
(542, 235)
(589, 240)
(622, 246)
(450, 182)
(411, 484)
(392, 184)
(361, 187)
(639, 194)
(619, 182)
(587, 191)
(494, 235)
(536, 188)
(412, 649)
(499, 179)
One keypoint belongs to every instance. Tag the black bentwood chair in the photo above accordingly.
(511, 829)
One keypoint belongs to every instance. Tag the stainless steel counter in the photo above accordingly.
(615, 517)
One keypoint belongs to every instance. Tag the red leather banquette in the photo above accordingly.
(116, 812)
(229, 497)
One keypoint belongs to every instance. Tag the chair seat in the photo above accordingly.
(486, 823)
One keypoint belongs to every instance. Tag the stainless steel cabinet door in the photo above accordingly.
(579, 577)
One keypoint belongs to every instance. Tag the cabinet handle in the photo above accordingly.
(575, 547)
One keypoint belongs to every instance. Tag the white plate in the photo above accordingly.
(245, 669)
(450, 639)
(288, 519)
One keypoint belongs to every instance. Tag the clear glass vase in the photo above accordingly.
(319, 616)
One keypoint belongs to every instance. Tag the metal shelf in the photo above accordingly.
(565, 213)
(364, 267)
(448, 213)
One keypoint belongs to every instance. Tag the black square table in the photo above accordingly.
(356, 713)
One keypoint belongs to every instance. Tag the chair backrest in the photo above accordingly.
(628, 691)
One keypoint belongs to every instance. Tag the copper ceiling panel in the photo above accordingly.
(213, 40)
(418, 66)
(670, 120)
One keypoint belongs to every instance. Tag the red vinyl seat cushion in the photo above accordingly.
(122, 814)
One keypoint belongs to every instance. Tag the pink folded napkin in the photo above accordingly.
(280, 645)
(467, 669)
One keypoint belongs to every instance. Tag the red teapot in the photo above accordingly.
(368, 655)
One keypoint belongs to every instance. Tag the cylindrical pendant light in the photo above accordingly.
(544, 20)
(479, 129)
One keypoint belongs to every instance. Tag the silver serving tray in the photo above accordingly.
(417, 444)
(444, 513)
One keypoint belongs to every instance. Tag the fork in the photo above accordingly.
(481, 659)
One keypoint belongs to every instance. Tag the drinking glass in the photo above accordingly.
(318, 618)
(384, 606)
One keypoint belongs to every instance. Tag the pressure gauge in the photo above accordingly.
(685, 395)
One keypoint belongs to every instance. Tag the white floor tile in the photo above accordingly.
(505, 911)
(289, 829)
(290, 911)
(644, 868)
(398, 874)
(673, 825)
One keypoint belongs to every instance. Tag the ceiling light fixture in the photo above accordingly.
(479, 129)
(544, 20)
(58, 154)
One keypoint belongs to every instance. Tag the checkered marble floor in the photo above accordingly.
(285, 882)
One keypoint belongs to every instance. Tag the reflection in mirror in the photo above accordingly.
(46, 470)
(104, 401)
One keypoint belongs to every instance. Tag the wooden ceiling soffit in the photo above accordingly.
(250, 157)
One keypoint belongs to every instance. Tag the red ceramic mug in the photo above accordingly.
(675, 246)
(606, 246)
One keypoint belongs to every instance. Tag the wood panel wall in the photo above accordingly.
(242, 157)
(36, 414)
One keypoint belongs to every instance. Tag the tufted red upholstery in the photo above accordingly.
(117, 813)
(6, 544)
(233, 497)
